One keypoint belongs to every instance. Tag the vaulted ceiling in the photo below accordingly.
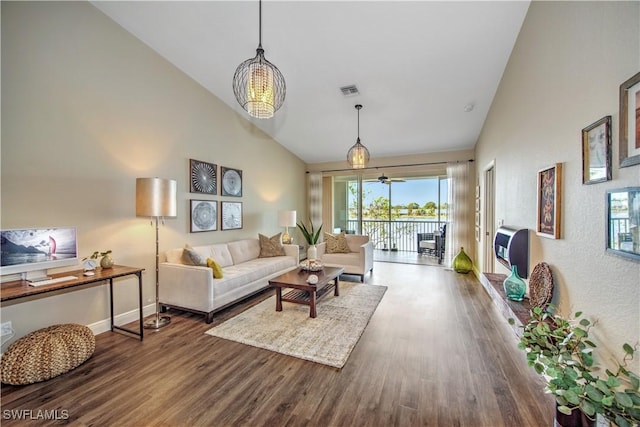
(418, 65)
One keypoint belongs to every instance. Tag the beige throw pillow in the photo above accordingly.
(270, 246)
(191, 257)
(336, 243)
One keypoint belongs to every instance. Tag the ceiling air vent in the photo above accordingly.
(351, 90)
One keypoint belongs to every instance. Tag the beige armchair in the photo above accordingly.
(359, 261)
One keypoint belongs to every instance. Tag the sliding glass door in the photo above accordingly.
(392, 212)
(347, 204)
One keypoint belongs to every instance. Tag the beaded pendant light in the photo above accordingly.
(358, 155)
(258, 85)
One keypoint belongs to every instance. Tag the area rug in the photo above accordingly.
(328, 339)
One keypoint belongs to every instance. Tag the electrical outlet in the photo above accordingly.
(5, 328)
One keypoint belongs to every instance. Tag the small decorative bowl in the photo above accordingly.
(306, 266)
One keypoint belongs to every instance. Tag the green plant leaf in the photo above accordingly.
(572, 397)
(628, 349)
(585, 322)
(587, 408)
(607, 401)
(564, 409)
(578, 314)
(621, 422)
(579, 332)
(612, 381)
(624, 400)
(593, 393)
(602, 386)
(635, 380)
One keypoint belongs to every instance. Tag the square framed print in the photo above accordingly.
(203, 177)
(549, 201)
(623, 222)
(231, 182)
(596, 151)
(630, 122)
(231, 213)
(204, 215)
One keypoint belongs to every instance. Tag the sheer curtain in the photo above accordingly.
(459, 233)
(315, 199)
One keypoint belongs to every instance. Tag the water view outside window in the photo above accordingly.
(393, 213)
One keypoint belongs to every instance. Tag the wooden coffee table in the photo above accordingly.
(303, 292)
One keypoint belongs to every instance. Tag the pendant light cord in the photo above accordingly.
(260, 24)
(358, 107)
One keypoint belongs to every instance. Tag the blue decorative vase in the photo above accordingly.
(514, 286)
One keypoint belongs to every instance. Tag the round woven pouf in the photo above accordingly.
(46, 353)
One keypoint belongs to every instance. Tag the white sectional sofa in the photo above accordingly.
(193, 288)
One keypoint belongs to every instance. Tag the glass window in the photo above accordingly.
(391, 213)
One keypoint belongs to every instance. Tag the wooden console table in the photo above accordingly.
(516, 310)
(20, 288)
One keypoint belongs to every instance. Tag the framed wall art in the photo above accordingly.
(596, 151)
(623, 222)
(630, 122)
(231, 215)
(204, 215)
(231, 182)
(549, 201)
(203, 177)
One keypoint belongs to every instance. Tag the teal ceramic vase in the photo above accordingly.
(462, 263)
(514, 286)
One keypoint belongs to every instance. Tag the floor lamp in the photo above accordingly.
(156, 198)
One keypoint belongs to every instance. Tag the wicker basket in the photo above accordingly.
(46, 353)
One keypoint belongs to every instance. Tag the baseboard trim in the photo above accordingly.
(121, 319)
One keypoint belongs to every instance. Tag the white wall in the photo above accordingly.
(563, 75)
(86, 109)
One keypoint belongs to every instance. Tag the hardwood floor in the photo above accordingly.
(435, 353)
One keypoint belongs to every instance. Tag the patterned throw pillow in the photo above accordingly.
(216, 270)
(270, 246)
(336, 243)
(191, 257)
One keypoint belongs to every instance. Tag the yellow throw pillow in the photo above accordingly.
(216, 270)
(336, 243)
(270, 246)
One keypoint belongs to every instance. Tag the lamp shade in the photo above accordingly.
(286, 218)
(156, 197)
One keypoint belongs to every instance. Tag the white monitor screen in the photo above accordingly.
(32, 249)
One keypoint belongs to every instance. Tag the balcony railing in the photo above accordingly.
(620, 234)
(396, 235)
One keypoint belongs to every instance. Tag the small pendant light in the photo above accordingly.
(358, 155)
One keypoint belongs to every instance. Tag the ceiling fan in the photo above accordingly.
(385, 179)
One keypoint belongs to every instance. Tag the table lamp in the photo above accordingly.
(156, 198)
(287, 219)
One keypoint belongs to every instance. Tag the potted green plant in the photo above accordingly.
(311, 235)
(559, 349)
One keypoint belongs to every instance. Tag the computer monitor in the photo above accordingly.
(30, 252)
